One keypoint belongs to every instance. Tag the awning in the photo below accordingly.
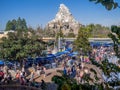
(1, 63)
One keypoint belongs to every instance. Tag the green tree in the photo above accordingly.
(108, 4)
(14, 24)
(21, 44)
(19, 24)
(82, 40)
(60, 34)
(115, 36)
(24, 25)
(98, 31)
(49, 32)
(40, 31)
(71, 35)
(9, 26)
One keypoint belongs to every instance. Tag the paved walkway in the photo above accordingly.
(51, 72)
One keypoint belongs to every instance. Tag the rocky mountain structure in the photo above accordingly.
(64, 21)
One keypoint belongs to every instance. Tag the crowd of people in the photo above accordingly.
(74, 67)
(78, 68)
(21, 76)
(5, 76)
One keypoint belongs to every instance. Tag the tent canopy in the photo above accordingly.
(1, 62)
(51, 55)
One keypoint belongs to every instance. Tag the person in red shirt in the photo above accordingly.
(1, 75)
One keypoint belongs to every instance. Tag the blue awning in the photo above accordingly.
(51, 55)
(59, 53)
(1, 63)
(65, 52)
(74, 53)
(68, 49)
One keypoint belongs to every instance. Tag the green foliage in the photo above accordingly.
(50, 42)
(19, 24)
(115, 36)
(9, 26)
(39, 31)
(71, 35)
(108, 4)
(49, 32)
(60, 34)
(107, 68)
(82, 40)
(58, 80)
(21, 44)
(43, 85)
(65, 86)
(98, 31)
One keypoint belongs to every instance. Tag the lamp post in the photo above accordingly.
(81, 51)
(59, 37)
(59, 43)
(34, 58)
(58, 34)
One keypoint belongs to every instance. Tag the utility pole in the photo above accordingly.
(59, 46)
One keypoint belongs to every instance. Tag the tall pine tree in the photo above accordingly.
(9, 25)
(82, 41)
(19, 24)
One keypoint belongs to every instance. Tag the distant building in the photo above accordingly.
(4, 33)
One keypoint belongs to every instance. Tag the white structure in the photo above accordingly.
(64, 21)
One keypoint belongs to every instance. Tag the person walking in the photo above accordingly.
(44, 70)
(43, 85)
(38, 70)
(78, 75)
(64, 71)
(32, 76)
(17, 76)
(81, 75)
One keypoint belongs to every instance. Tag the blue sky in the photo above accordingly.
(39, 12)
